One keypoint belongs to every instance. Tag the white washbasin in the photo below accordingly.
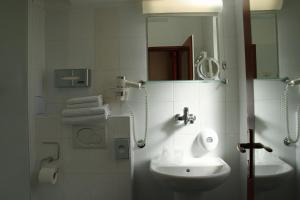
(271, 172)
(197, 174)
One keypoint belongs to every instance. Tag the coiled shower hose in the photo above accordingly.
(141, 143)
(286, 114)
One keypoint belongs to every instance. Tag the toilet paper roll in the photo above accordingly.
(48, 175)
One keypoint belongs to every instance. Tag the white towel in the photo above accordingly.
(88, 99)
(84, 105)
(84, 120)
(104, 110)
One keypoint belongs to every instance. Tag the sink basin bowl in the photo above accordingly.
(194, 175)
(271, 173)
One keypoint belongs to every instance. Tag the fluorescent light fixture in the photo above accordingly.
(264, 5)
(181, 6)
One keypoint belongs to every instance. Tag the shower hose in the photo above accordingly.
(289, 138)
(141, 143)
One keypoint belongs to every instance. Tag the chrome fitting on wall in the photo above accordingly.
(51, 159)
(186, 117)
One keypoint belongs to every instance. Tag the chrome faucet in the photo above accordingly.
(186, 117)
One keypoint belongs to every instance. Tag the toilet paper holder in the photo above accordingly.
(51, 159)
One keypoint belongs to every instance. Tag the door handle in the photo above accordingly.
(242, 147)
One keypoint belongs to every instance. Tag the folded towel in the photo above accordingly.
(84, 120)
(89, 99)
(86, 111)
(84, 105)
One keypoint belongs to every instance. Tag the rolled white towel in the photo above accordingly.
(89, 99)
(86, 111)
(84, 119)
(84, 105)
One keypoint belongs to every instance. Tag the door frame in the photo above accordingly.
(251, 72)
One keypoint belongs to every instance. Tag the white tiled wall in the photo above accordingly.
(88, 174)
(288, 32)
(110, 38)
(270, 130)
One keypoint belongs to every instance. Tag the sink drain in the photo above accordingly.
(188, 170)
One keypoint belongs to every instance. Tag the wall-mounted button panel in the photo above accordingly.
(89, 136)
(121, 146)
(72, 78)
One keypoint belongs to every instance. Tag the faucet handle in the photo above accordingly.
(177, 117)
(185, 110)
(191, 118)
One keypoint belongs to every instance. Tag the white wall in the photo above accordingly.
(90, 174)
(270, 130)
(215, 107)
(14, 142)
(110, 38)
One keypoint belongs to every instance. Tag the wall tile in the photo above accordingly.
(275, 90)
(81, 54)
(186, 91)
(133, 52)
(212, 92)
(232, 118)
(82, 23)
(213, 115)
(48, 127)
(111, 27)
(107, 52)
(88, 160)
(155, 91)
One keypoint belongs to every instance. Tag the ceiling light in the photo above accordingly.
(181, 6)
(264, 5)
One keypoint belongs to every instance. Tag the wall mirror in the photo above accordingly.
(275, 34)
(182, 48)
(265, 37)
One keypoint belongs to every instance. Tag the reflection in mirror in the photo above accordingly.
(182, 48)
(264, 36)
(206, 67)
(277, 108)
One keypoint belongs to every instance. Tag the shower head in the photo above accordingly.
(294, 82)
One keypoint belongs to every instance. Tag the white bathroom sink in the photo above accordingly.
(197, 174)
(271, 172)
